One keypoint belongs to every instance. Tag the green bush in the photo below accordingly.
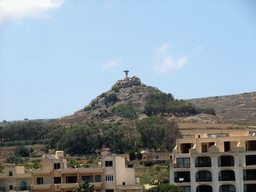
(130, 165)
(21, 151)
(14, 159)
(31, 150)
(115, 89)
(103, 95)
(111, 98)
(148, 163)
(132, 155)
(139, 155)
(128, 110)
(37, 165)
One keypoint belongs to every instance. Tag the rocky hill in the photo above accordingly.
(129, 89)
(239, 108)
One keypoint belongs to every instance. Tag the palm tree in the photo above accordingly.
(84, 186)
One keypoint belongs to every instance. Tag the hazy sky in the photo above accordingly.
(58, 55)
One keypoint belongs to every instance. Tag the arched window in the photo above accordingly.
(227, 188)
(204, 188)
(203, 161)
(203, 176)
(10, 173)
(23, 185)
(226, 161)
(227, 175)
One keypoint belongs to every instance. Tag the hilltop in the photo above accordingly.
(129, 89)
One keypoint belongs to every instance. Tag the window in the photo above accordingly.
(123, 183)
(10, 187)
(109, 178)
(97, 178)
(183, 162)
(10, 173)
(108, 163)
(56, 165)
(57, 180)
(97, 190)
(72, 179)
(40, 181)
(186, 188)
(109, 190)
(87, 178)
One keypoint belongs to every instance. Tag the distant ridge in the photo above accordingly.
(237, 108)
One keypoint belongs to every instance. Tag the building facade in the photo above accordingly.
(111, 176)
(215, 164)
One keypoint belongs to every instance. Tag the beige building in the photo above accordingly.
(111, 176)
(15, 179)
(215, 164)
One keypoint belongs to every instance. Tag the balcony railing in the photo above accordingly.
(205, 164)
(22, 188)
(184, 165)
(225, 178)
(203, 179)
(181, 179)
(249, 177)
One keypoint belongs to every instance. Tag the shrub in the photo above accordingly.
(139, 155)
(115, 89)
(128, 110)
(36, 165)
(103, 95)
(14, 159)
(21, 151)
(130, 165)
(31, 150)
(132, 155)
(148, 163)
(111, 98)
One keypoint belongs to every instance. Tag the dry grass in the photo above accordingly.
(147, 175)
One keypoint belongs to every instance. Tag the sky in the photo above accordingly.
(58, 55)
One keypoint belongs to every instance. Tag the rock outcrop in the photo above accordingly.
(127, 82)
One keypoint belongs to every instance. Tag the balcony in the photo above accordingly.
(227, 175)
(68, 185)
(203, 176)
(41, 186)
(181, 180)
(180, 177)
(250, 175)
(184, 165)
(90, 170)
(204, 164)
(226, 161)
(22, 188)
(97, 184)
(41, 172)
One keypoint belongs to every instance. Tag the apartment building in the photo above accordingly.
(215, 164)
(111, 176)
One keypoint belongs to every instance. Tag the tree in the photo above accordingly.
(132, 155)
(139, 155)
(21, 151)
(165, 188)
(84, 187)
(158, 133)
